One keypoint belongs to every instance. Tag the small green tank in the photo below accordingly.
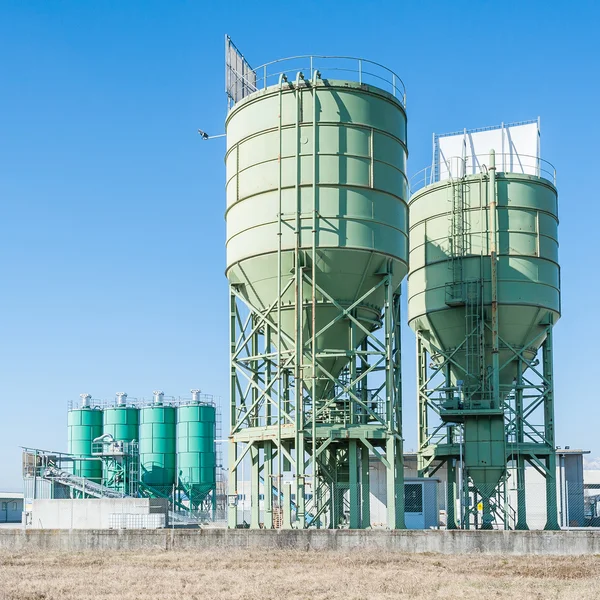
(196, 426)
(84, 425)
(122, 422)
(157, 444)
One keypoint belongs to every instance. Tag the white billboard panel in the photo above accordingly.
(517, 148)
(240, 79)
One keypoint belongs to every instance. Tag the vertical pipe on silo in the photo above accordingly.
(494, 281)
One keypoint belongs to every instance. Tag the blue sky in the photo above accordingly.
(111, 227)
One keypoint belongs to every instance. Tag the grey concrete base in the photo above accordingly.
(94, 513)
(445, 542)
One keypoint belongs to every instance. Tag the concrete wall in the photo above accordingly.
(89, 513)
(445, 542)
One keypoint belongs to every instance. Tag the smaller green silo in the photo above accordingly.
(157, 445)
(196, 464)
(84, 425)
(122, 421)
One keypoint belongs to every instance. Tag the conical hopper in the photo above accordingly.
(521, 327)
(342, 275)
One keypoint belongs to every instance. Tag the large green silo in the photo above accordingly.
(157, 445)
(484, 294)
(317, 247)
(528, 286)
(84, 425)
(358, 148)
(196, 464)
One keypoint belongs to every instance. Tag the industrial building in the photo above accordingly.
(323, 227)
(11, 507)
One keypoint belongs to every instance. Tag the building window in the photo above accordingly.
(14, 506)
(5, 506)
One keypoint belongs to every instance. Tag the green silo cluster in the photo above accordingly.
(176, 443)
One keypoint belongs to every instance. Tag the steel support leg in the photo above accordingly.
(394, 484)
(301, 483)
(521, 503)
(254, 488)
(365, 489)
(551, 507)
(268, 484)
(232, 487)
(287, 505)
(451, 495)
(354, 491)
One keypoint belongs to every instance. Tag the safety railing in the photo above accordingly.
(103, 403)
(456, 166)
(350, 68)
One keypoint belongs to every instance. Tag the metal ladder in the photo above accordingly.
(456, 243)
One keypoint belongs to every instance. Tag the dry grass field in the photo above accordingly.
(259, 575)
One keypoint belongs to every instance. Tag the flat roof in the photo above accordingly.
(11, 495)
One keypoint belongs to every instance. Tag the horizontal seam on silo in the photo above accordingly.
(309, 217)
(309, 127)
(354, 248)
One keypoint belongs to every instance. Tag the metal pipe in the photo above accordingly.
(158, 397)
(316, 75)
(461, 490)
(279, 474)
(299, 305)
(561, 462)
(195, 396)
(121, 398)
(85, 400)
(492, 201)
(105, 436)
